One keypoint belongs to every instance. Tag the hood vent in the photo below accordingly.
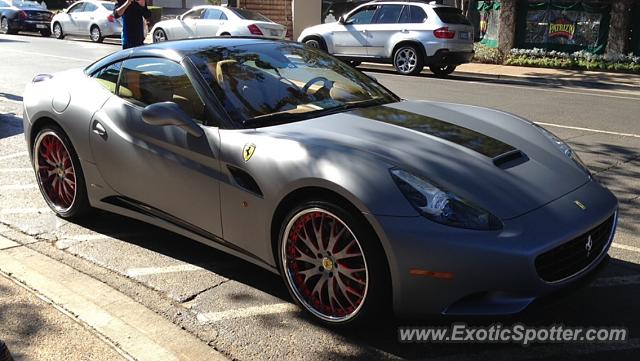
(510, 159)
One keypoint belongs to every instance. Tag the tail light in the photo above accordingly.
(444, 33)
(254, 29)
(111, 19)
(23, 15)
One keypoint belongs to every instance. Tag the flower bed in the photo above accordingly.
(580, 60)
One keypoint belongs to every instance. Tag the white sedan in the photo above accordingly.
(208, 20)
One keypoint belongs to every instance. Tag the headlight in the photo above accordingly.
(564, 148)
(441, 206)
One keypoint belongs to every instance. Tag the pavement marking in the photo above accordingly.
(135, 329)
(247, 312)
(616, 281)
(49, 55)
(18, 187)
(5, 211)
(14, 155)
(625, 247)
(7, 243)
(15, 170)
(146, 271)
(590, 130)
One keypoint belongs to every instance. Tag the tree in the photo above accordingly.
(507, 34)
(618, 42)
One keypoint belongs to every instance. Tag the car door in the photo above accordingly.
(384, 26)
(162, 169)
(72, 26)
(85, 17)
(209, 24)
(188, 23)
(350, 37)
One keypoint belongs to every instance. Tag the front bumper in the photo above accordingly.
(447, 57)
(488, 272)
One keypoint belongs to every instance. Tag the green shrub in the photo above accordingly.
(485, 54)
(580, 60)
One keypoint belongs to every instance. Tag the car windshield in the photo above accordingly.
(249, 15)
(273, 83)
(27, 5)
(108, 6)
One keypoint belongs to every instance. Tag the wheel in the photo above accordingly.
(159, 36)
(442, 70)
(46, 33)
(408, 60)
(95, 34)
(315, 43)
(225, 34)
(5, 28)
(332, 264)
(59, 174)
(57, 31)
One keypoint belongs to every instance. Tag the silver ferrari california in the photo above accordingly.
(288, 158)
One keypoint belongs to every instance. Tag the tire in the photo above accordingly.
(442, 70)
(159, 35)
(225, 34)
(408, 60)
(316, 43)
(57, 31)
(5, 27)
(45, 33)
(95, 34)
(59, 173)
(358, 282)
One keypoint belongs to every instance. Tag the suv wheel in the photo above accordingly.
(442, 70)
(408, 60)
(316, 43)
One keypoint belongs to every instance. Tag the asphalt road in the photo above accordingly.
(245, 312)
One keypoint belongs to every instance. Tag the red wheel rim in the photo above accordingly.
(325, 265)
(55, 172)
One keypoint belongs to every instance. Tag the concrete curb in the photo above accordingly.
(131, 328)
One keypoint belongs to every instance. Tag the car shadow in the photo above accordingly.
(10, 125)
(582, 305)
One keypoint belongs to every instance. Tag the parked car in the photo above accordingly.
(18, 16)
(408, 35)
(208, 20)
(87, 18)
(282, 155)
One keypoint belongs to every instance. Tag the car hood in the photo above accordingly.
(495, 160)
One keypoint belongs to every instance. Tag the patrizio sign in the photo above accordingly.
(562, 28)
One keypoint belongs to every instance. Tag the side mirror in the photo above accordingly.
(341, 20)
(169, 113)
(180, 17)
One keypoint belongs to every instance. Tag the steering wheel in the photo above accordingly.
(328, 84)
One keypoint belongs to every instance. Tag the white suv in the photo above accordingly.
(407, 34)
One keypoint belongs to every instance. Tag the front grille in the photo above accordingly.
(572, 257)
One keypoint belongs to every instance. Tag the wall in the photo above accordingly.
(305, 14)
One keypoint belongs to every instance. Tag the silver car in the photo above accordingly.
(286, 157)
(92, 18)
(409, 35)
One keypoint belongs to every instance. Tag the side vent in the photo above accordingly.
(510, 159)
(244, 180)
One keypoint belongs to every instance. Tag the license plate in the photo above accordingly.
(41, 26)
(464, 35)
(274, 32)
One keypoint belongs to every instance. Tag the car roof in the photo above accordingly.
(178, 49)
(406, 2)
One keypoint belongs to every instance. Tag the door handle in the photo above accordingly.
(99, 129)
(364, 31)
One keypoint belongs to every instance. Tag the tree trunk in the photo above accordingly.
(618, 41)
(507, 34)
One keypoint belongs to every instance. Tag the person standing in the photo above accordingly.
(133, 13)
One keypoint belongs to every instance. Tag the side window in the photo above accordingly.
(145, 81)
(223, 16)
(212, 14)
(417, 15)
(363, 15)
(3, 4)
(194, 14)
(388, 14)
(108, 76)
(76, 8)
(89, 7)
